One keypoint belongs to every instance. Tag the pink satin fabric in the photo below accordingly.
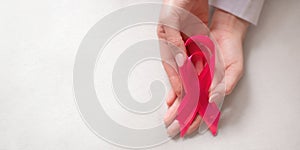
(196, 86)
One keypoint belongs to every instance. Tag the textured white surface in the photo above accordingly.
(38, 43)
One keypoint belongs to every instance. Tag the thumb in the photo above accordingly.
(232, 75)
(177, 48)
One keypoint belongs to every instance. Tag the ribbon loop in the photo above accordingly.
(201, 51)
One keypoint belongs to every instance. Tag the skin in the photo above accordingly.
(229, 32)
(174, 37)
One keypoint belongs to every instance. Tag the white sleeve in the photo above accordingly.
(248, 10)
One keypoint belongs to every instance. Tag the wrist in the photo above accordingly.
(227, 22)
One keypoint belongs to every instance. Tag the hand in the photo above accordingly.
(178, 19)
(229, 32)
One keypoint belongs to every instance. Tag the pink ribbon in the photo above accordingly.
(196, 86)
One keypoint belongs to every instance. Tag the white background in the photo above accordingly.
(38, 44)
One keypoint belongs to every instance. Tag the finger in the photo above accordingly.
(171, 113)
(217, 92)
(169, 48)
(232, 75)
(194, 126)
(176, 45)
(173, 78)
(173, 36)
(170, 66)
(171, 97)
(160, 32)
(173, 129)
(219, 74)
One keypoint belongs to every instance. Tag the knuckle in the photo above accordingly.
(176, 41)
(167, 121)
(160, 32)
(160, 35)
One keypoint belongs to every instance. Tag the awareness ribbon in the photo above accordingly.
(196, 85)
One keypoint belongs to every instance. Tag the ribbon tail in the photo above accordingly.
(187, 110)
(214, 127)
(211, 117)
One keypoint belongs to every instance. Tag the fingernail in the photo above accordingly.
(173, 129)
(179, 59)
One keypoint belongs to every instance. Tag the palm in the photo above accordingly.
(232, 52)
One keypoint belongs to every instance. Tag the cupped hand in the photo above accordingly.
(172, 20)
(229, 32)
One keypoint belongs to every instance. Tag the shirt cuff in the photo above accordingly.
(248, 10)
